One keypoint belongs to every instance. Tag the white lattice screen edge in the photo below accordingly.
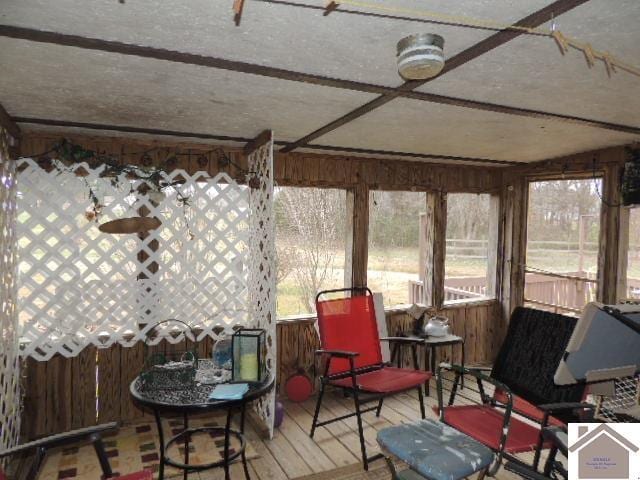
(262, 285)
(10, 405)
(79, 286)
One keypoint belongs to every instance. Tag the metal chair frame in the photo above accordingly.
(40, 447)
(354, 389)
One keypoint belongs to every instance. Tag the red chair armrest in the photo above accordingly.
(409, 340)
(564, 406)
(337, 353)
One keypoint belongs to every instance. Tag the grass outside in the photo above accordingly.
(389, 272)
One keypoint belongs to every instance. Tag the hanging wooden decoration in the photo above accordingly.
(130, 225)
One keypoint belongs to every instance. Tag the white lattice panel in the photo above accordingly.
(79, 286)
(9, 358)
(262, 284)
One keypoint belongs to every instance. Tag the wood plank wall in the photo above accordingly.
(61, 393)
(65, 393)
(293, 169)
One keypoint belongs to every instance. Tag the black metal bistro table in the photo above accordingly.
(193, 400)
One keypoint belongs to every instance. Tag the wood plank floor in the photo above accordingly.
(292, 453)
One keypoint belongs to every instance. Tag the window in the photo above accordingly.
(310, 245)
(394, 231)
(469, 267)
(562, 244)
(633, 256)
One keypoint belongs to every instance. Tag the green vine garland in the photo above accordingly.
(65, 154)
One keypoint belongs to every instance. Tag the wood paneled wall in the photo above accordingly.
(481, 324)
(66, 393)
(293, 169)
(93, 387)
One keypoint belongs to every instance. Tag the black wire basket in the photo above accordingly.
(169, 371)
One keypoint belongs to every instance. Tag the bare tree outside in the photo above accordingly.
(563, 229)
(467, 251)
(394, 231)
(310, 238)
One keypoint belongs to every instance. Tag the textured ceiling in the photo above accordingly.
(419, 127)
(530, 72)
(72, 84)
(344, 46)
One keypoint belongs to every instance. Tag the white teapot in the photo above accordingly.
(437, 326)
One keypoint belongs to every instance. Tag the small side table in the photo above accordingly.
(431, 343)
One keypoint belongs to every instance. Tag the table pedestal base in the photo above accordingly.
(187, 467)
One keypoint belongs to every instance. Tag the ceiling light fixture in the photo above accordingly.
(420, 56)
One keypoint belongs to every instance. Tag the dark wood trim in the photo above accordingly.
(226, 138)
(264, 137)
(523, 112)
(434, 234)
(358, 199)
(494, 41)
(349, 117)
(578, 165)
(127, 129)
(555, 9)
(9, 124)
(283, 74)
(425, 156)
(175, 56)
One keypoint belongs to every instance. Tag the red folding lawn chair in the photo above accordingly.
(524, 367)
(351, 347)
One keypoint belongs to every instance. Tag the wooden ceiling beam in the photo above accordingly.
(421, 156)
(127, 129)
(498, 39)
(8, 124)
(522, 112)
(251, 146)
(110, 46)
(536, 19)
(248, 141)
(283, 74)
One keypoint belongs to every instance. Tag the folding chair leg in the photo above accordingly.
(37, 463)
(482, 474)
(98, 445)
(363, 448)
(317, 411)
(538, 451)
(379, 406)
(392, 468)
(548, 466)
(421, 400)
(454, 389)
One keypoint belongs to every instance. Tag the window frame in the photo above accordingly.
(595, 174)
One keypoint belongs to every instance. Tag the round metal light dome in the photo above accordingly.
(420, 56)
